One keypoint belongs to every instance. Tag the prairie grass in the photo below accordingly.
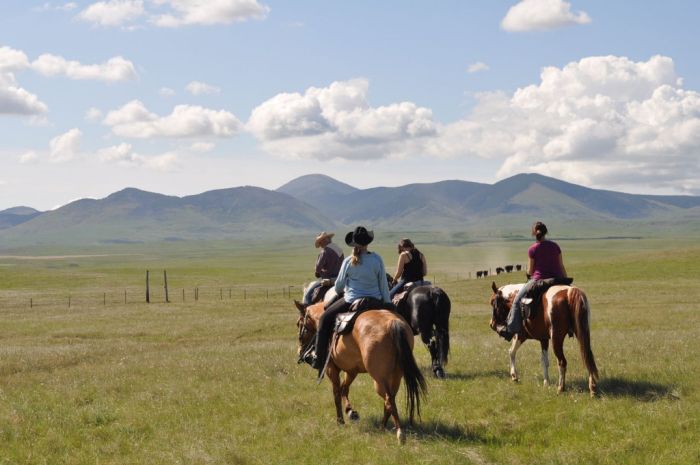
(216, 381)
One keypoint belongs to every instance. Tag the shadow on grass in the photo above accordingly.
(435, 431)
(461, 376)
(641, 390)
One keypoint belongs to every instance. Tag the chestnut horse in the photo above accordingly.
(381, 344)
(564, 311)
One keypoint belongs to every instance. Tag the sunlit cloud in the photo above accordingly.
(135, 120)
(540, 15)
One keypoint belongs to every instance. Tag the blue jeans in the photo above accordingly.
(400, 284)
(515, 316)
(310, 291)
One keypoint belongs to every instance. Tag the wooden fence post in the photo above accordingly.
(148, 288)
(124, 296)
(104, 299)
(165, 283)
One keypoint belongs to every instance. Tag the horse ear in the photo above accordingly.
(494, 287)
(301, 307)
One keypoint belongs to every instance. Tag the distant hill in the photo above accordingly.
(312, 203)
(319, 190)
(16, 215)
(132, 215)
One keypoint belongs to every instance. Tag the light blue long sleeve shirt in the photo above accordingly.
(366, 279)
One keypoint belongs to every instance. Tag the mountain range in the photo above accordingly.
(316, 202)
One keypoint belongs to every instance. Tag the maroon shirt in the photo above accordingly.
(546, 257)
(329, 261)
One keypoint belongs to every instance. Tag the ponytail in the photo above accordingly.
(356, 252)
(539, 230)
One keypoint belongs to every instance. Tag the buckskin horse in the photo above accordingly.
(381, 344)
(564, 310)
(427, 310)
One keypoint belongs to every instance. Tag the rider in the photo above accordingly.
(361, 275)
(411, 268)
(327, 263)
(545, 261)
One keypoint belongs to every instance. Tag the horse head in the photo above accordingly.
(306, 329)
(500, 306)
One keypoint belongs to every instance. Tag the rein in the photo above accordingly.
(302, 333)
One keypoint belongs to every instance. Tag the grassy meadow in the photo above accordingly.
(215, 381)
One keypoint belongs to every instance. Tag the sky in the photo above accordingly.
(185, 96)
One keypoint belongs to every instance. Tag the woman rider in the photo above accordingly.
(361, 275)
(544, 261)
(411, 268)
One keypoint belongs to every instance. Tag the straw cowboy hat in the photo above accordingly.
(360, 236)
(322, 236)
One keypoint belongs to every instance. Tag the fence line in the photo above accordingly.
(132, 295)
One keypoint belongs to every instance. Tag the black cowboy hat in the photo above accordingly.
(360, 236)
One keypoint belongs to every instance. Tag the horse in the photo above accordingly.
(427, 310)
(564, 311)
(381, 344)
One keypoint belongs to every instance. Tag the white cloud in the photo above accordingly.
(202, 147)
(134, 120)
(201, 88)
(93, 114)
(48, 6)
(14, 100)
(539, 15)
(29, 157)
(166, 92)
(124, 155)
(12, 60)
(208, 12)
(114, 69)
(478, 66)
(338, 122)
(65, 147)
(112, 12)
(602, 121)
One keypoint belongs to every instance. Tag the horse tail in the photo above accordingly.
(442, 322)
(581, 316)
(412, 376)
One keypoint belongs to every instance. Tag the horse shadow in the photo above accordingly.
(436, 431)
(641, 390)
(461, 376)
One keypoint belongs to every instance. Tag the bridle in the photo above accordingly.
(303, 330)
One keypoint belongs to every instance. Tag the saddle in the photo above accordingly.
(531, 303)
(400, 297)
(344, 322)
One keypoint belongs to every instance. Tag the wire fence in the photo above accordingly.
(160, 293)
(137, 295)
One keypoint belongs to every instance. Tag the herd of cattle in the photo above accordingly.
(499, 270)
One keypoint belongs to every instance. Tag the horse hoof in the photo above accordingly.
(514, 378)
(545, 383)
(354, 416)
(341, 421)
(439, 373)
(401, 436)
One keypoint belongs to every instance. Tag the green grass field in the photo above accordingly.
(216, 381)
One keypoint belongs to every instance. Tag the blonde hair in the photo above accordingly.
(357, 251)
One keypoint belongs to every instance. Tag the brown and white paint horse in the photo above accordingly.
(564, 311)
(381, 344)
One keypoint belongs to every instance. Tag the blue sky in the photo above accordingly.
(184, 96)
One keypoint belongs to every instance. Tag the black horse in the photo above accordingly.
(427, 310)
